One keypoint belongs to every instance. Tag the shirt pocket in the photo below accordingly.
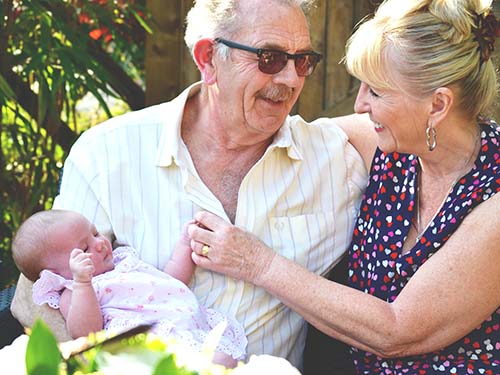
(306, 239)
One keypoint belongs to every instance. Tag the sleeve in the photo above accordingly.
(125, 255)
(356, 173)
(48, 288)
(77, 190)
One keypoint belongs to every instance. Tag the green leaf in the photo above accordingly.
(43, 99)
(42, 353)
(48, 60)
(5, 89)
(167, 366)
(142, 22)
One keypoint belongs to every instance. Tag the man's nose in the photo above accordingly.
(288, 75)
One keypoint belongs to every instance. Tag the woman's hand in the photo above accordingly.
(231, 250)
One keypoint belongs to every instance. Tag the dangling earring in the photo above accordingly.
(430, 134)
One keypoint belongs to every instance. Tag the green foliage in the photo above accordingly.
(167, 366)
(134, 352)
(128, 353)
(52, 53)
(42, 353)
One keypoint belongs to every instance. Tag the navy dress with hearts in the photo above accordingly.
(377, 267)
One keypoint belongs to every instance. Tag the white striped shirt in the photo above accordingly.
(134, 178)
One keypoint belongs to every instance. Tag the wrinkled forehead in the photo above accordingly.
(273, 23)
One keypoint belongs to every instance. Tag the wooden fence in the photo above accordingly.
(330, 91)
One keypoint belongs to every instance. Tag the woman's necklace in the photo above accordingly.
(417, 226)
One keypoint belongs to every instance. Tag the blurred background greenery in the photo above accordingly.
(64, 66)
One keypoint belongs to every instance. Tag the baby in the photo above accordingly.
(76, 271)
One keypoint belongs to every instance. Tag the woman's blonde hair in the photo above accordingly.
(435, 46)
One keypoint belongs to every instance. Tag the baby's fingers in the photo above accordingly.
(75, 252)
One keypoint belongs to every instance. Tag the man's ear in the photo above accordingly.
(442, 101)
(203, 52)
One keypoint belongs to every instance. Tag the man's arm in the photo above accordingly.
(26, 311)
(76, 193)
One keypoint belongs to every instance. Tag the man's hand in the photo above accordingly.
(81, 266)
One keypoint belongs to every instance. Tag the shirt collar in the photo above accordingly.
(170, 139)
(171, 142)
(284, 139)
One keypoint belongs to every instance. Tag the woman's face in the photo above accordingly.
(398, 119)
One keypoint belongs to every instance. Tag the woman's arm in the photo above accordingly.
(361, 134)
(450, 295)
(80, 307)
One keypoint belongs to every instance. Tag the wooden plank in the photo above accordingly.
(340, 19)
(189, 70)
(162, 52)
(311, 101)
(344, 106)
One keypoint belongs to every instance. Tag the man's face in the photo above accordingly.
(255, 103)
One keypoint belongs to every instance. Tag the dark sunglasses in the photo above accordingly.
(273, 61)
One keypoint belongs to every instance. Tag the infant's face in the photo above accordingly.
(77, 232)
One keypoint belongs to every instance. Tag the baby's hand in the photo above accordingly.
(81, 266)
(184, 239)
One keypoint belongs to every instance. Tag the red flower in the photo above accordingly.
(84, 18)
(96, 34)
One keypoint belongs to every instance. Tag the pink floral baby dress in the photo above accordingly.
(136, 293)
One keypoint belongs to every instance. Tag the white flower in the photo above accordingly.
(266, 364)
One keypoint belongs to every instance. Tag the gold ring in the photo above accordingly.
(205, 250)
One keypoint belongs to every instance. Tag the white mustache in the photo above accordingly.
(277, 93)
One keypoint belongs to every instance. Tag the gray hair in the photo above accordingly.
(219, 18)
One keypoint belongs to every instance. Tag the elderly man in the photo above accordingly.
(228, 145)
